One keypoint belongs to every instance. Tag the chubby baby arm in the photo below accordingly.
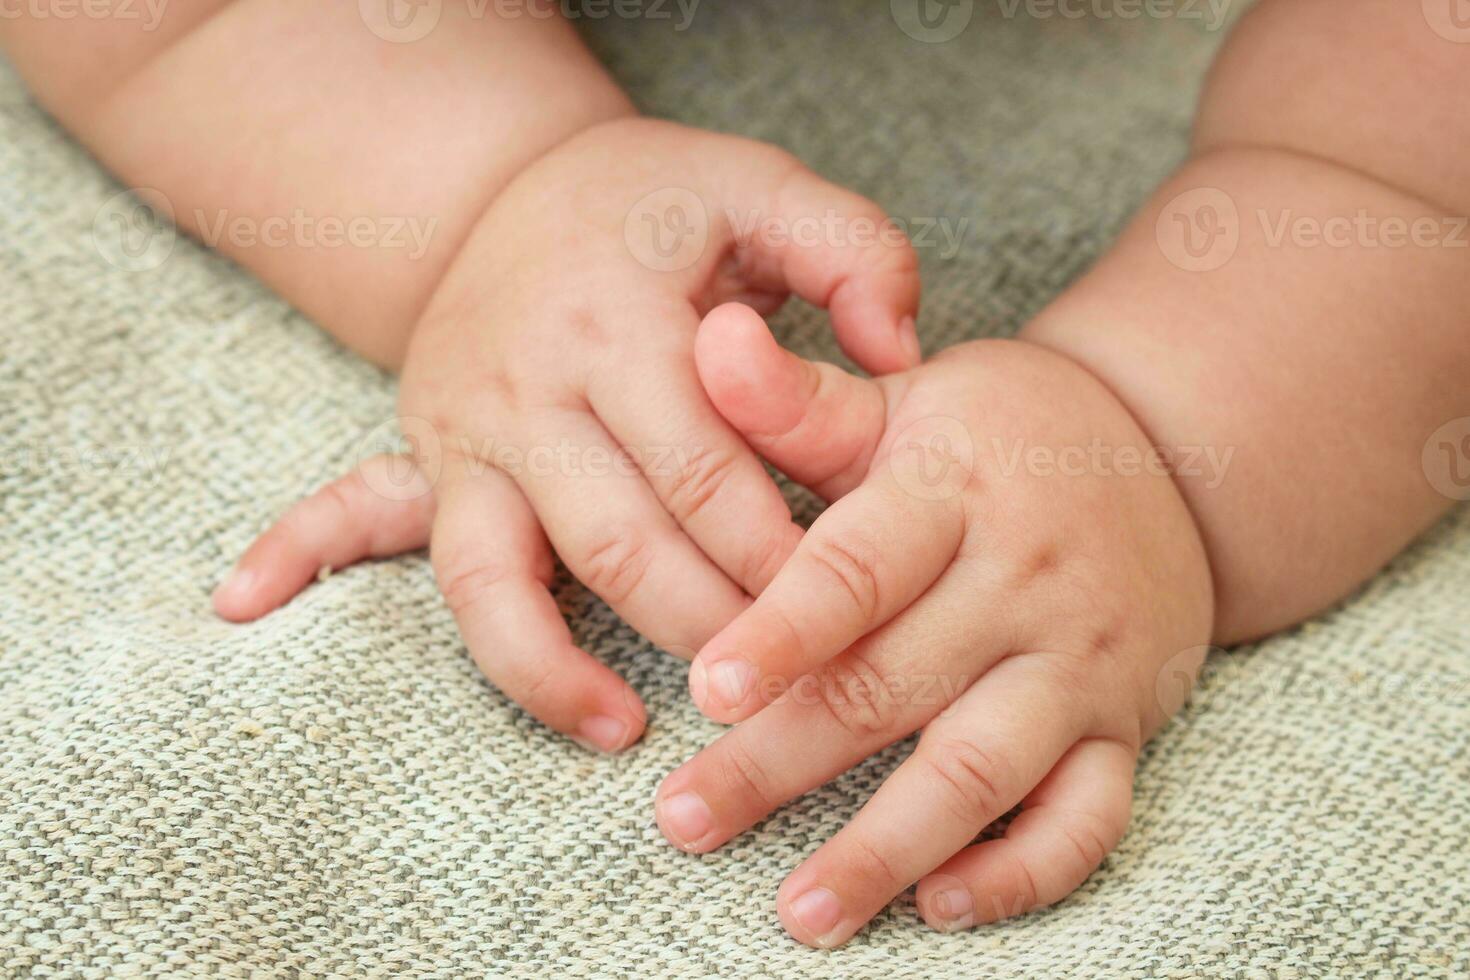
(1295, 298)
(247, 117)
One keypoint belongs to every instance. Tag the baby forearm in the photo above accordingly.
(343, 169)
(1293, 302)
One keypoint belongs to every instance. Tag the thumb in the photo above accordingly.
(815, 422)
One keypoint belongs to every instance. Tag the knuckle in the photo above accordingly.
(458, 449)
(1040, 564)
(1104, 606)
(1107, 642)
(853, 692)
(395, 478)
(1072, 677)
(1090, 836)
(534, 690)
(894, 253)
(744, 775)
(970, 779)
(336, 501)
(1093, 664)
(899, 258)
(531, 368)
(615, 564)
(463, 587)
(333, 508)
(787, 168)
(1101, 611)
(867, 862)
(1028, 895)
(697, 480)
(585, 325)
(764, 559)
(850, 566)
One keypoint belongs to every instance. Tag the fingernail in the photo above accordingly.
(908, 337)
(953, 909)
(607, 734)
(722, 685)
(236, 585)
(686, 818)
(698, 682)
(730, 680)
(819, 912)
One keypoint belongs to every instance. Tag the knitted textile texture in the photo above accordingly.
(335, 790)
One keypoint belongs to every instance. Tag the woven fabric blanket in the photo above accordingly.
(335, 791)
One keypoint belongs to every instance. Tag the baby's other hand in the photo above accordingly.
(552, 390)
(1001, 569)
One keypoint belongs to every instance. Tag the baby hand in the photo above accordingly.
(551, 389)
(1019, 613)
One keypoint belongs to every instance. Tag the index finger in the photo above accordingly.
(708, 479)
(864, 561)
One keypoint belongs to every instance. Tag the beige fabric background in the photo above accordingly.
(334, 791)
